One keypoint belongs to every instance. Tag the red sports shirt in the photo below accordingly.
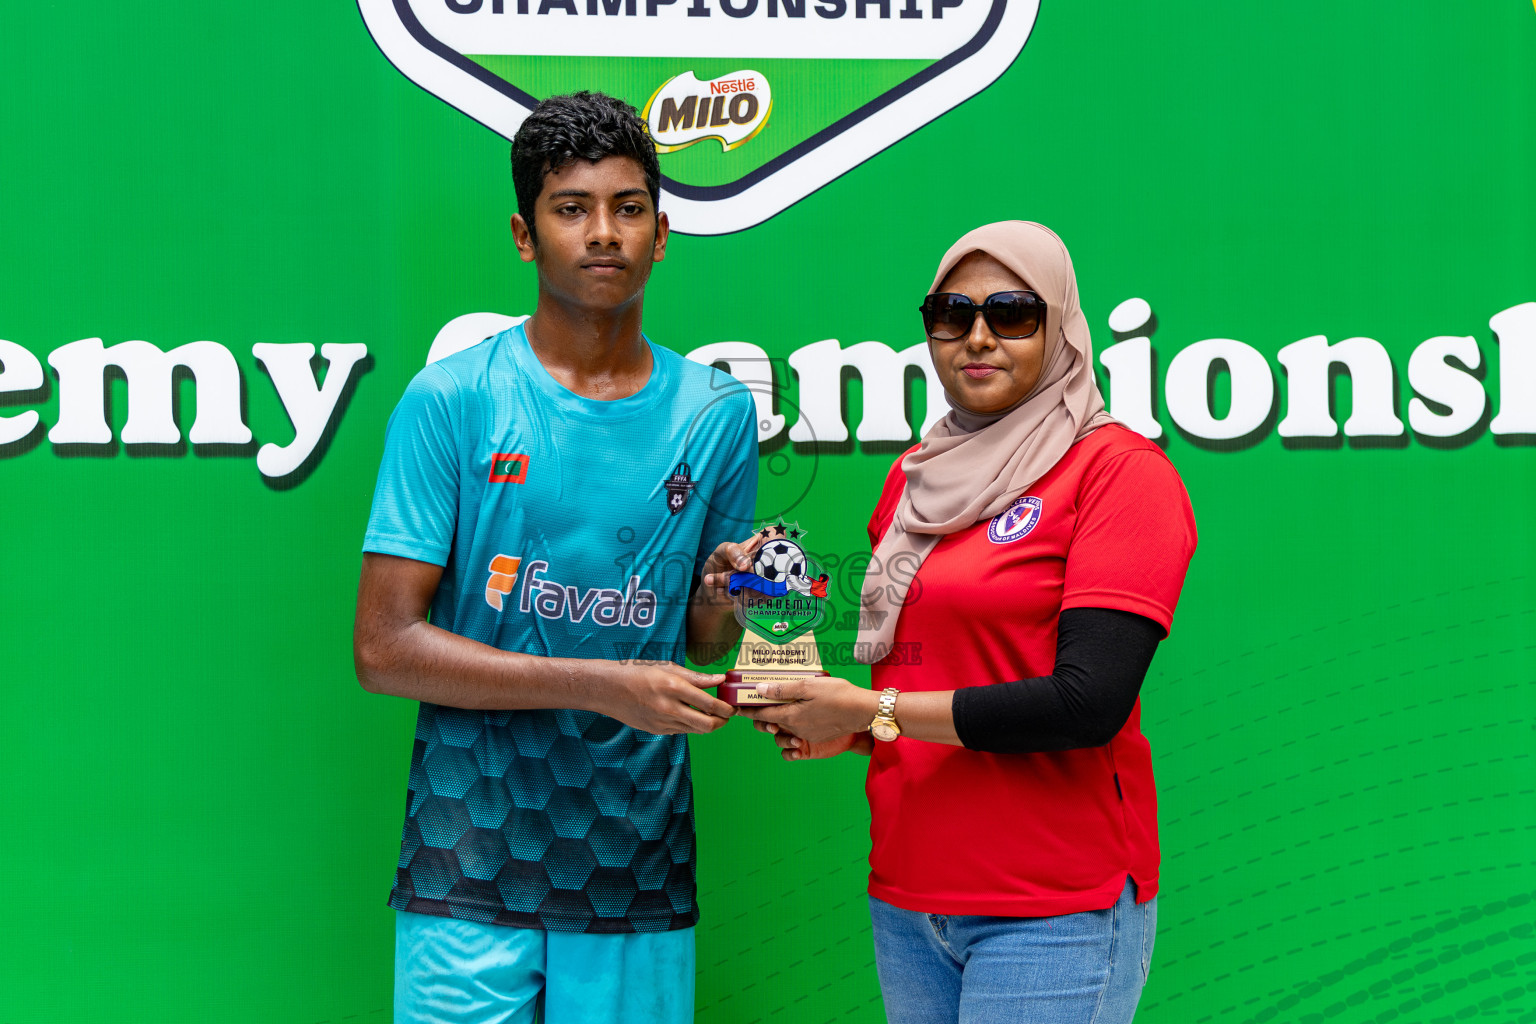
(956, 831)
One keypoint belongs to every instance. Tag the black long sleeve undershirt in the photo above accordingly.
(1102, 657)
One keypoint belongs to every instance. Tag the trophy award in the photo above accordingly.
(779, 604)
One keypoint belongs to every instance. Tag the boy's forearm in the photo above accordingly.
(712, 628)
(398, 652)
(420, 661)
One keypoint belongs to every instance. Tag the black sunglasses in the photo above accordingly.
(948, 316)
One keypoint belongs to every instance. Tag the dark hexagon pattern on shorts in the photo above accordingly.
(565, 820)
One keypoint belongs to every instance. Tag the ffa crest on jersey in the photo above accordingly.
(1015, 521)
(679, 487)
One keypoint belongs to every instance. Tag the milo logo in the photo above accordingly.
(732, 109)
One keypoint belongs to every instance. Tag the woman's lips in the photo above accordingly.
(980, 370)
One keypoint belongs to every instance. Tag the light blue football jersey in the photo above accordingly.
(566, 527)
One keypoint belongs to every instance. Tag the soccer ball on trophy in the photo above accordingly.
(779, 559)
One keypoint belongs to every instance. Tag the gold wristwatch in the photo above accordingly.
(884, 727)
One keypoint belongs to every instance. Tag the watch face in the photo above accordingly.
(884, 731)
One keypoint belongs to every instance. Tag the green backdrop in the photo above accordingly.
(203, 808)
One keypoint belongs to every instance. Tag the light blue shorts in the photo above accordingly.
(458, 972)
(1085, 968)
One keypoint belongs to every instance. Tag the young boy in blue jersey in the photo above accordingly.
(552, 529)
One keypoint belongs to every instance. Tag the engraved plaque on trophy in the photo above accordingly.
(779, 603)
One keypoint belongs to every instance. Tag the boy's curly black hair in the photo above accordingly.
(581, 126)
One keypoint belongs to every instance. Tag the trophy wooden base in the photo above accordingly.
(740, 688)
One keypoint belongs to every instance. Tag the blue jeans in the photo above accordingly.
(1085, 968)
(458, 972)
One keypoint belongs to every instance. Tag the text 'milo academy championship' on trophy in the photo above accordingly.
(779, 603)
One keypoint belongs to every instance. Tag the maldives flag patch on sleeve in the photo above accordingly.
(508, 468)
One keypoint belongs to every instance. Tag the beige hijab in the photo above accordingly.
(970, 467)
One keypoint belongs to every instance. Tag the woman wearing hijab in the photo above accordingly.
(1029, 554)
